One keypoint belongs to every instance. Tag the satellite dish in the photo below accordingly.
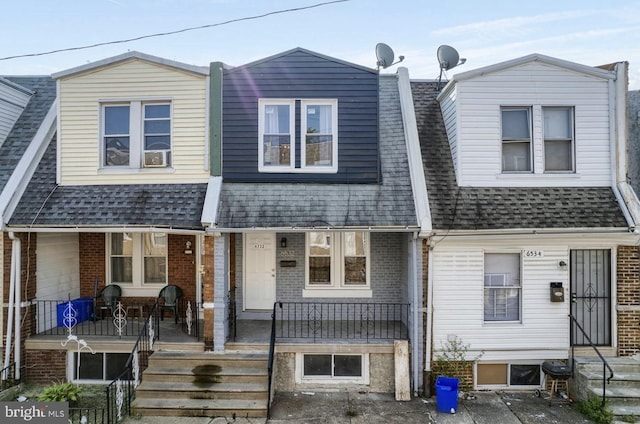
(448, 58)
(385, 56)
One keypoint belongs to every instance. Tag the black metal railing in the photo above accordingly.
(605, 364)
(54, 317)
(7, 377)
(87, 415)
(121, 391)
(340, 321)
(272, 350)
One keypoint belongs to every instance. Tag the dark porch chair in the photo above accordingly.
(170, 295)
(110, 295)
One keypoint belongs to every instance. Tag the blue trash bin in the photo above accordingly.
(447, 394)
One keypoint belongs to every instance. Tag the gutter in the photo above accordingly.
(100, 229)
(14, 302)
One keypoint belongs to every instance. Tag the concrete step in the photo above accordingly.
(194, 359)
(619, 380)
(160, 346)
(205, 374)
(619, 365)
(247, 347)
(200, 407)
(180, 390)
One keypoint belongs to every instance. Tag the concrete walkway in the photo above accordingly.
(355, 408)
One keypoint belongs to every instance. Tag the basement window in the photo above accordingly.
(508, 375)
(100, 366)
(333, 368)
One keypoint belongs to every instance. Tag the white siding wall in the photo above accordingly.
(458, 287)
(448, 107)
(58, 268)
(532, 84)
(12, 103)
(79, 135)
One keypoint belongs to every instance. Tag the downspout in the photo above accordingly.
(16, 265)
(416, 309)
(429, 330)
(12, 288)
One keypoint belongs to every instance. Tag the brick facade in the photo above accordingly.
(45, 366)
(207, 291)
(628, 300)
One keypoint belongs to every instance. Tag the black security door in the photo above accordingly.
(591, 296)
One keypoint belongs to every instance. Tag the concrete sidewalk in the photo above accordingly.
(356, 408)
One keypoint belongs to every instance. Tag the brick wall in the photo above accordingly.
(628, 298)
(92, 262)
(207, 291)
(45, 366)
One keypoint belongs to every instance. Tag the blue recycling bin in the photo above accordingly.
(83, 307)
(447, 394)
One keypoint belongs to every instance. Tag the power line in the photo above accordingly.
(160, 34)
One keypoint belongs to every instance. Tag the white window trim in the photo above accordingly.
(520, 320)
(136, 135)
(529, 110)
(572, 116)
(333, 168)
(301, 378)
(262, 103)
(337, 287)
(138, 287)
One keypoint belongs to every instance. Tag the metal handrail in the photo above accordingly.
(605, 364)
(272, 348)
(127, 372)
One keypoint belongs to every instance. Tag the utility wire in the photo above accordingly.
(159, 34)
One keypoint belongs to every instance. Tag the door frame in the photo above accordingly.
(245, 267)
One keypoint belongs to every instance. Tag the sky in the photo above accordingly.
(484, 32)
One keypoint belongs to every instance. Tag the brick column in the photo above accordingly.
(628, 300)
(207, 290)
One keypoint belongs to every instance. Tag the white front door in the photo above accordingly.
(260, 271)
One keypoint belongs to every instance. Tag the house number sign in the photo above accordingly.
(287, 253)
(530, 253)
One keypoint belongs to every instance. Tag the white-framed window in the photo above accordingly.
(136, 134)
(319, 121)
(332, 368)
(137, 260)
(516, 139)
(338, 261)
(502, 287)
(558, 139)
(316, 136)
(276, 132)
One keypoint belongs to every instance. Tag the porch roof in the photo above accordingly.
(45, 204)
(485, 208)
(307, 205)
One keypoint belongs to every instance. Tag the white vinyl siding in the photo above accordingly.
(458, 302)
(12, 103)
(478, 103)
(449, 114)
(79, 122)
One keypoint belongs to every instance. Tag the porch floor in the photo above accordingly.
(330, 332)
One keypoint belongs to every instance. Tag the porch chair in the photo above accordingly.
(110, 295)
(170, 295)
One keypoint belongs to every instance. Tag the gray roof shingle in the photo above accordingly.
(484, 208)
(27, 125)
(44, 204)
(389, 203)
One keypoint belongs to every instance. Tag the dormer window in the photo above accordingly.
(315, 138)
(516, 139)
(558, 139)
(136, 134)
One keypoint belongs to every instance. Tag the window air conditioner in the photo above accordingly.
(155, 159)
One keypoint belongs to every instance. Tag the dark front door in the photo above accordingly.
(591, 296)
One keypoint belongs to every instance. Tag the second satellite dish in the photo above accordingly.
(385, 56)
(448, 58)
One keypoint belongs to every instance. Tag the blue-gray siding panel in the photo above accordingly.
(301, 75)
